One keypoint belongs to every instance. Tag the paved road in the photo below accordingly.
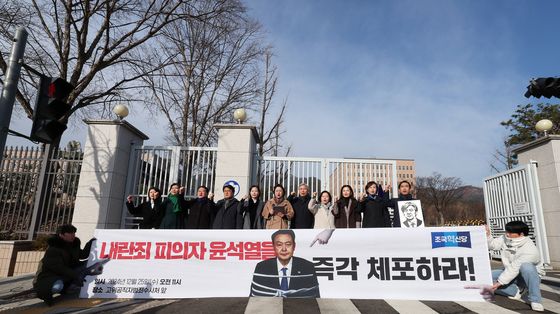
(311, 306)
(29, 304)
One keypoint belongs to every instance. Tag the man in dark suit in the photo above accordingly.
(285, 276)
(410, 210)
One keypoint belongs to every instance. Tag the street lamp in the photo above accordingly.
(121, 111)
(544, 125)
(240, 115)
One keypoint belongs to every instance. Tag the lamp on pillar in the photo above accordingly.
(544, 125)
(121, 111)
(239, 115)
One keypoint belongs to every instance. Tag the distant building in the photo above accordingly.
(358, 175)
(406, 170)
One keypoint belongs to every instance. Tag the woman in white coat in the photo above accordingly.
(324, 218)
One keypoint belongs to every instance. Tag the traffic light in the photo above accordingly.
(49, 108)
(545, 86)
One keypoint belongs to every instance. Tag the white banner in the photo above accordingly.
(384, 263)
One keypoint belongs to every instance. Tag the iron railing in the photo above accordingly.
(514, 195)
(21, 217)
(160, 166)
(324, 174)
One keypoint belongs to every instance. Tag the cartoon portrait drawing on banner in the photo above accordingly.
(411, 215)
(286, 275)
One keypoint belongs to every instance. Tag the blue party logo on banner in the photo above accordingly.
(450, 239)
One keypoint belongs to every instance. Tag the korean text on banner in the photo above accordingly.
(383, 263)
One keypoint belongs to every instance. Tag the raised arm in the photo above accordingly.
(313, 206)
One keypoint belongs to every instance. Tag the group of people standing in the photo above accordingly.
(304, 210)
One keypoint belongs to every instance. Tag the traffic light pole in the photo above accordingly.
(10, 85)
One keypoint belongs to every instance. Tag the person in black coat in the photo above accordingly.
(374, 207)
(251, 207)
(226, 213)
(345, 209)
(200, 210)
(270, 277)
(405, 188)
(303, 218)
(62, 265)
(150, 210)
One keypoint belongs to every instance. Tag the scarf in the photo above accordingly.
(253, 204)
(347, 203)
(406, 197)
(514, 243)
(326, 207)
(201, 199)
(175, 201)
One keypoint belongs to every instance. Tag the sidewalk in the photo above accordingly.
(11, 299)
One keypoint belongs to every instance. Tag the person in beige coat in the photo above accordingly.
(278, 211)
(324, 218)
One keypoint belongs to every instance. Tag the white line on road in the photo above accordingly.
(335, 306)
(263, 305)
(485, 307)
(550, 288)
(551, 305)
(410, 306)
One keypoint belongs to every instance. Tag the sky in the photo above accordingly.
(423, 80)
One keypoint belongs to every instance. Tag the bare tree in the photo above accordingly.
(92, 44)
(269, 135)
(440, 192)
(211, 68)
(502, 159)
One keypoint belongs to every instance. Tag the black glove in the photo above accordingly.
(78, 281)
(90, 242)
(96, 269)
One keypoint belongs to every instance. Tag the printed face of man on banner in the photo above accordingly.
(285, 275)
(411, 214)
(284, 247)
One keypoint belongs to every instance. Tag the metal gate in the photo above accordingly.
(514, 195)
(160, 166)
(324, 174)
(37, 192)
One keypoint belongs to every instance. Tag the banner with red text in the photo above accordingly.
(384, 263)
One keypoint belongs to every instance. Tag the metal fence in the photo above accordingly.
(514, 195)
(324, 174)
(160, 166)
(30, 206)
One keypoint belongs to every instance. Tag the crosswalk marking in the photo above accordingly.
(334, 306)
(550, 288)
(485, 307)
(259, 305)
(550, 305)
(410, 306)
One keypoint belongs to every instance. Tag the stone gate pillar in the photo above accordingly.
(101, 190)
(545, 151)
(236, 158)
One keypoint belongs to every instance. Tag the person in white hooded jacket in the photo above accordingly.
(522, 264)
